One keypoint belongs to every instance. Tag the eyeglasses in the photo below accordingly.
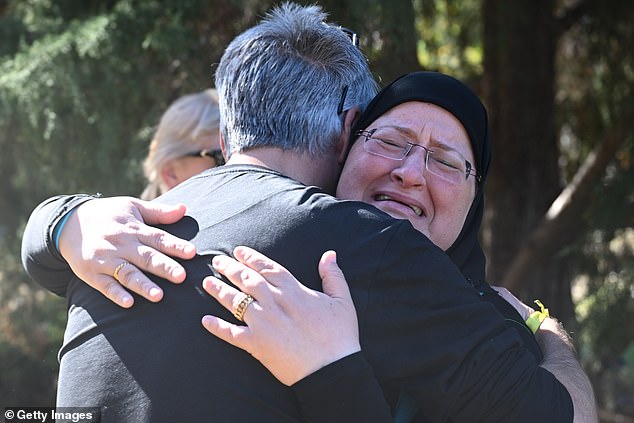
(342, 100)
(215, 154)
(354, 39)
(446, 164)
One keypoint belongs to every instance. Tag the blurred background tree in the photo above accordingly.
(82, 85)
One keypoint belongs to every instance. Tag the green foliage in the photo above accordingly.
(62, 101)
(605, 316)
(595, 98)
(26, 345)
(450, 36)
(604, 291)
(31, 330)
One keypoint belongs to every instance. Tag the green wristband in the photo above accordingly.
(536, 318)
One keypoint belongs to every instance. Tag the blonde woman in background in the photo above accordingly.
(185, 143)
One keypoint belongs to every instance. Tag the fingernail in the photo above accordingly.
(127, 300)
(243, 253)
(208, 283)
(218, 263)
(155, 292)
(238, 252)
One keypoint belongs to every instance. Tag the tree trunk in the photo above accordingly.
(387, 31)
(519, 79)
(564, 221)
(398, 53)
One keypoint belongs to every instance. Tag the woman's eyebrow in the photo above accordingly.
(435, 142)
(403, 130)
(442, 145)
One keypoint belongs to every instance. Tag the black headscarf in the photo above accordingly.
(459, 100)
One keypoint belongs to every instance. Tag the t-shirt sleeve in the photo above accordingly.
(40, 258)
(344, 391)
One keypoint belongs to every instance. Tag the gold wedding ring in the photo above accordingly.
(115, 274)
(242, 307)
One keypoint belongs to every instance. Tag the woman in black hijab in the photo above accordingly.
(459, 100)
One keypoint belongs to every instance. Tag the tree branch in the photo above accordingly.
(565, 216)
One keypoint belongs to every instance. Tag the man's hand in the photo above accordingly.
(560, 359)
(105, 235)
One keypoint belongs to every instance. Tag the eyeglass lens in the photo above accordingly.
(447, 164)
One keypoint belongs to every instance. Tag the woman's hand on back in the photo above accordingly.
(291, 329)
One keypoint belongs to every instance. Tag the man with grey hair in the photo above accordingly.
(291, 93)
(289, 89)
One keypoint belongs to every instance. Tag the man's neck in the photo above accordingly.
(301, 167)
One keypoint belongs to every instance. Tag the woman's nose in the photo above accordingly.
(410, 172)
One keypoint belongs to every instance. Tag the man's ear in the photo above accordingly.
(223, 146)
(344, 145)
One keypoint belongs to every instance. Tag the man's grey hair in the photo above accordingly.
(281, 82)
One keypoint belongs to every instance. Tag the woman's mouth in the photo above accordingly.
(384, 197)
